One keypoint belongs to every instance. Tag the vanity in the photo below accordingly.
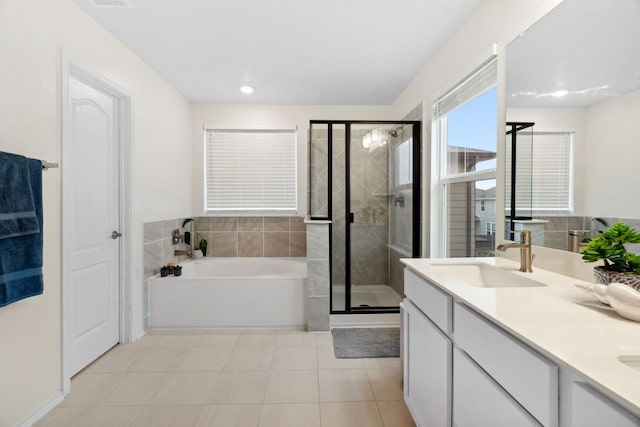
(487, 345)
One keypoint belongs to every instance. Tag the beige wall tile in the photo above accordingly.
(223, 244)
(296, 223)
(251, 223)
(298, 243)
(250, 243)
(276, 224)
(276, 244)
(224, 223)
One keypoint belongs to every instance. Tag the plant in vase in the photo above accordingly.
(164, 271)
(177, 270)
(620, 265)
(202, 245)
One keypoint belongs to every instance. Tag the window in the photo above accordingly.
(544, 171)
(250, 170)
(466, 135)
(491, 228)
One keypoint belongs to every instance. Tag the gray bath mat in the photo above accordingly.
(349, 343)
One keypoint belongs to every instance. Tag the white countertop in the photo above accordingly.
(559, 320)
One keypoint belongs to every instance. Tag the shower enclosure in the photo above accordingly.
(365, 178)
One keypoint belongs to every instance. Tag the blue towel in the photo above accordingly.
(21, 256)
(17, 209)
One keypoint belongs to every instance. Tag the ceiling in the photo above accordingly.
(588, 48)
(329, 52)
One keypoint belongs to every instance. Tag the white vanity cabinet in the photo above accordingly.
(583, 406)
(463, 370)
(427, 354)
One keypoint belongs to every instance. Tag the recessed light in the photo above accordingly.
(560, 93)
(246, 89)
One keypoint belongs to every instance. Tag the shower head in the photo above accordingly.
(394, 132)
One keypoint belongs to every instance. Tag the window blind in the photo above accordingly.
(250, 170)
(476, 83)
(543, 172)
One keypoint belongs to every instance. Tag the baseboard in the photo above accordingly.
(42, 410)
(377, 320)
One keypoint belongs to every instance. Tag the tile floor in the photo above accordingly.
(252, 378)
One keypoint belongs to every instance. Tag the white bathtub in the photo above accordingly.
(231, 293)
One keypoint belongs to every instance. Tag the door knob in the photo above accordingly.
(115, 234)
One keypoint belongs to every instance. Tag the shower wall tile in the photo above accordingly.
(167, 251)
(317, 241)
(169, 225)
(250, 244)
(318, 313)
(276, 244)
(317, 277)
(250, 224)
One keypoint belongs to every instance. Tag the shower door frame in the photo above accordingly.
(415, 214)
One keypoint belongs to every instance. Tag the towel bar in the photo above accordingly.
(47, 165)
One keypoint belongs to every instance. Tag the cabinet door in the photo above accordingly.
(589, 408)
(427, 370)
(479, 401)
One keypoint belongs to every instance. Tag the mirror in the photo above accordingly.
(575, 74)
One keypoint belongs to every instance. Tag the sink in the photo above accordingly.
(482, 275)
(631, 361)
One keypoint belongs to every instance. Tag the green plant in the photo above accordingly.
(164, 268)
(177, 267)
(202, 245)
(609, 246)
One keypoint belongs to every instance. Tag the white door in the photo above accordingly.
(91, 223)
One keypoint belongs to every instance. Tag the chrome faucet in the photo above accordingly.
(526, 258)
(187, 252)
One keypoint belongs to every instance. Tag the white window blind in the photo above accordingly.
(543, 172)
(478, 82)
(250, 170)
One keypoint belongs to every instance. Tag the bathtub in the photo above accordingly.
(231, 293)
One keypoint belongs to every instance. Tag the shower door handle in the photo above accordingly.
(352, 217)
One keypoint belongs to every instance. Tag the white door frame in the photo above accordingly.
(71, 68)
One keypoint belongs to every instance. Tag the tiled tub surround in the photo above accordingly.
(227, 237)
(253, 236)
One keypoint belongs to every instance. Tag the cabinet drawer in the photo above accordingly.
(479, 401)
(429, 299)
(526, 375)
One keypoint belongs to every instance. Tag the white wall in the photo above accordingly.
(249, 115)
(32, 35)
(613, 150)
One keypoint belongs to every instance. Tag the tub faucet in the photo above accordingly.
(186, 252)
(526, 258)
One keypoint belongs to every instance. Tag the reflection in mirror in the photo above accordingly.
(576, 75)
